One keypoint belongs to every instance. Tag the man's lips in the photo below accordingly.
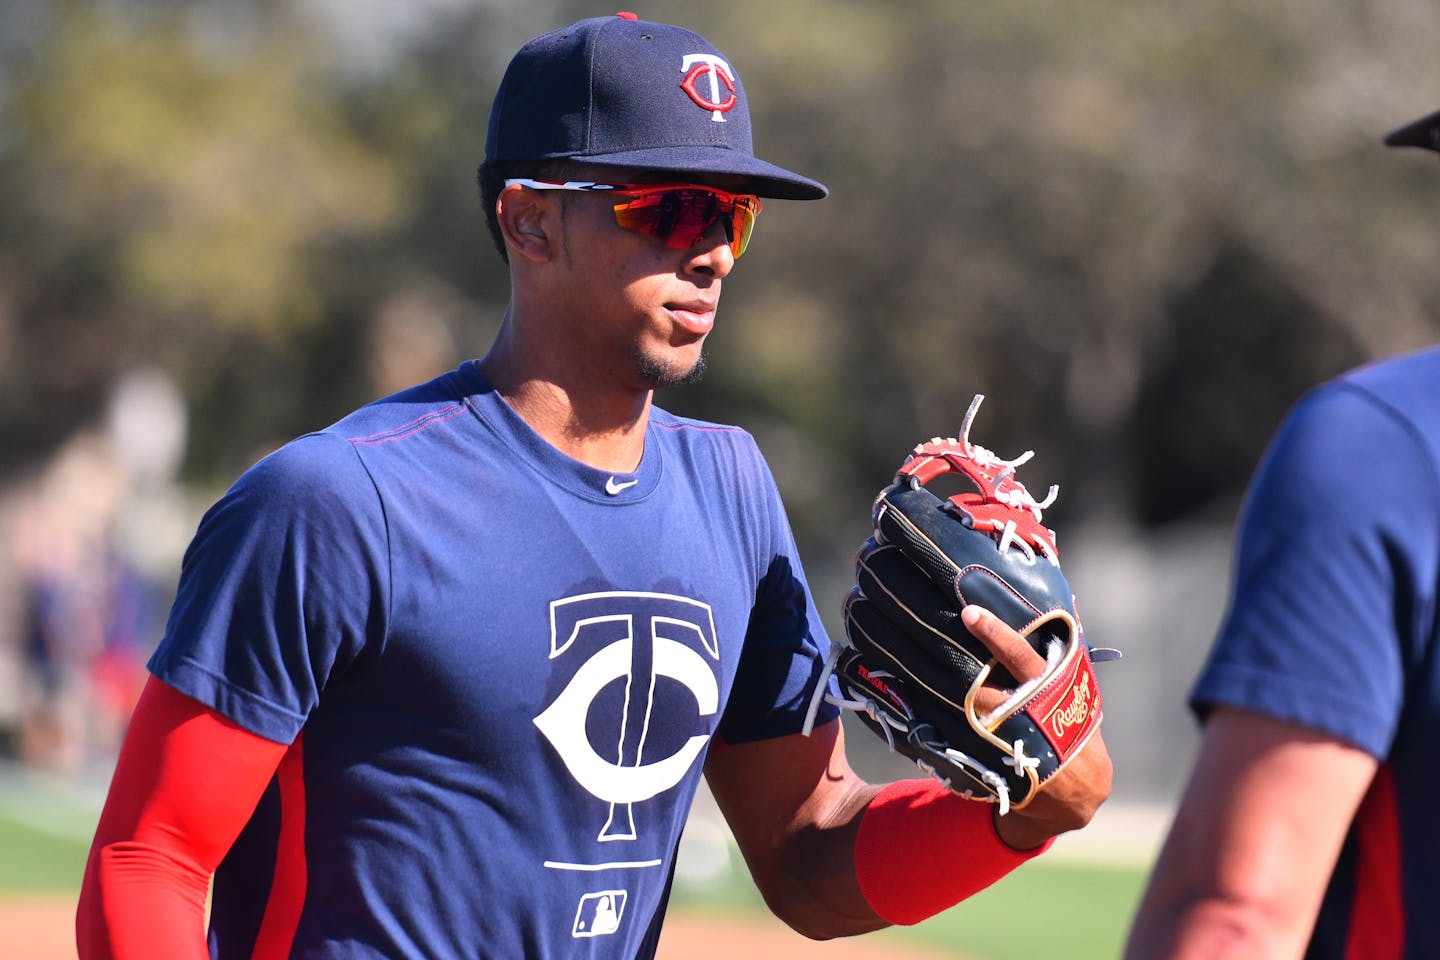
(693, 316)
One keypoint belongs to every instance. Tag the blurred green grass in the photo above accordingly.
(37, 861)
(1048, 907)
(1043, 910)
(45, 830)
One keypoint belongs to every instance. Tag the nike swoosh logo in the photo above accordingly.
(612, 488)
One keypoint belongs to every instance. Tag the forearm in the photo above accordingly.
(834, 856)
(1207, 899)
(1214, 928)
(140, 902)
(185, 784)
(896, 855)
(813, 885)
(1244, 867)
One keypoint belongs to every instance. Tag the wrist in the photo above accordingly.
(1020, 834)
(921, 849)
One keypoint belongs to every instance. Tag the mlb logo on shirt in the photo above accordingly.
(599, 913)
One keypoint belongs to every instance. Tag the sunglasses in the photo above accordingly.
(678, 213)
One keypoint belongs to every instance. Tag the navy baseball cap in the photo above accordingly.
(625, 92)
(1424, 132)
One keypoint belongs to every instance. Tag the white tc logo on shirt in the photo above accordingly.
(638, 638)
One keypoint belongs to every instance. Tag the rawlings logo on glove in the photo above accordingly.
(911, 669)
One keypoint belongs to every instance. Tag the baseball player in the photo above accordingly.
(441, 679)
(1307, 828)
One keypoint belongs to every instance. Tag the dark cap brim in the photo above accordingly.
(1424, 133)
(766, 179)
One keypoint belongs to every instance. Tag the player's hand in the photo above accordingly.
(911, 670)
(1069, 800)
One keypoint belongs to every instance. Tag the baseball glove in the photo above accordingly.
(911, 669)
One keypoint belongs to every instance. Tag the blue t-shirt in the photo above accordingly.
(499, 670)
(1333, 625)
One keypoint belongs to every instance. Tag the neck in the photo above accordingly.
(598, 424)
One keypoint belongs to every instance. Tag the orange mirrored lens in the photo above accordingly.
(681, 215)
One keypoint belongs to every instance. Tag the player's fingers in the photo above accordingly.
(1012, 651)
(988, 699)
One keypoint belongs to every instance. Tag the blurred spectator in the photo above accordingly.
(91, 538)
(411, 336)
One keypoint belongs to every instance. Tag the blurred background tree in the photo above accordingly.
(1142, 229)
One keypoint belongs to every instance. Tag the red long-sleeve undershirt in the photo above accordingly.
(186, 783)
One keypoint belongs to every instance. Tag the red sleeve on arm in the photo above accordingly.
(922, 849)
(186, 783)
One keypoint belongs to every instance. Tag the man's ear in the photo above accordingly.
(527, 220)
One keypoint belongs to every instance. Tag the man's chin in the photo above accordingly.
(659, 374)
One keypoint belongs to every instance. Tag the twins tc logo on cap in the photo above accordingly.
(603, 91)
(714, 73)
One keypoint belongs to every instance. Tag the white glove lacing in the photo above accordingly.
(889, 724)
